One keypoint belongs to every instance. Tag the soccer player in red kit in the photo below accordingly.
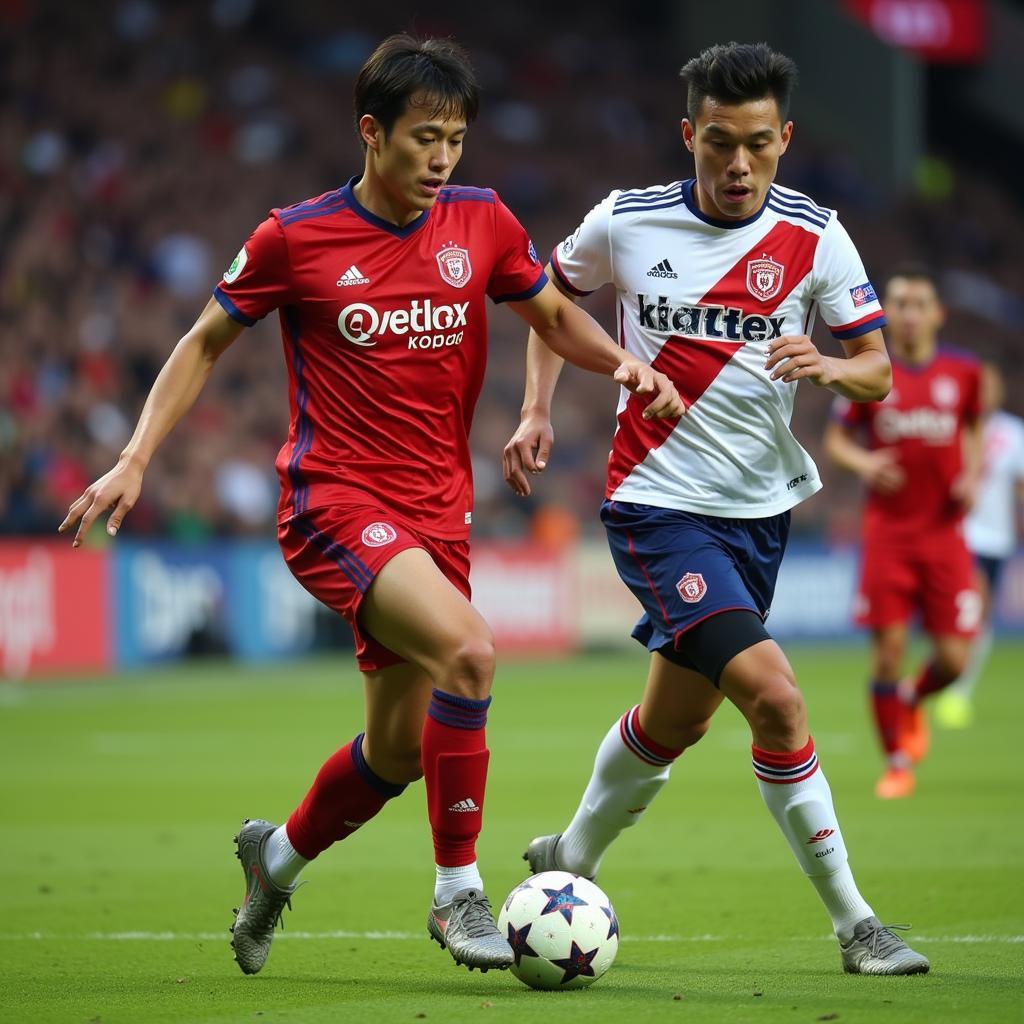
(380, 287)
(921, 464)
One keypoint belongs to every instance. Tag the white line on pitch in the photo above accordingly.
(140, 936)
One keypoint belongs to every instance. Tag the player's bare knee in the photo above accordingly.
(778, 711)
(470, 669)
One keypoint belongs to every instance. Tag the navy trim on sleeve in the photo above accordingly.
(535, 289)
(855, 332)
(231, 309)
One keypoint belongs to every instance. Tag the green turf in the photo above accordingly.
(120, 799)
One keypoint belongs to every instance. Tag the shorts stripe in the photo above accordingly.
(353, 567)
(650, 582)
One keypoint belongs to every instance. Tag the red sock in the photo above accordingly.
(929, 681)
(454, 753)
(345, 794)
(888, 709)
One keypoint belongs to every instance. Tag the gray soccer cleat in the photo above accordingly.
(875, 949)
(466, 928)
(540, 854)
(264, 901)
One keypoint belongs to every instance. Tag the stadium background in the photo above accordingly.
(143, 141)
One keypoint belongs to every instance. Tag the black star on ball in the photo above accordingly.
(562, 901)
(517, 940)
(577, 964)
(613, 922)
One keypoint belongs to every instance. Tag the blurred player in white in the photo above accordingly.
(718, 281)
(991, 529)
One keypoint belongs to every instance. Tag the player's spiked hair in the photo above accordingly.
(738, 73)
(403, 67)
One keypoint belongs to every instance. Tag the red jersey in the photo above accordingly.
(922, 420)
(385, 337)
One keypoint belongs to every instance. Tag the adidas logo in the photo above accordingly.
(352, 276)
(820, 836)
(465, 806)
(662, 269)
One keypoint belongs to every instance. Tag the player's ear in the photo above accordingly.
(687, 130)
(787, 134)
(371, 131)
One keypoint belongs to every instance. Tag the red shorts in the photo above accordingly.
(937, 578)
(335, 553)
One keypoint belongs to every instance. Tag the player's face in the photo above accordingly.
(914, 313)
(736, 150)
(416, 157)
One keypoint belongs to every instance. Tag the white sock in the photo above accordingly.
(980, 651)
(629, 771)
(283, 864)
(796, 792)
(452, 880)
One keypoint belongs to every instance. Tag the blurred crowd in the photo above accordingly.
(140, 143)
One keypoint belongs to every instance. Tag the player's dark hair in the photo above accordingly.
(403, 67)
(738, 73)
(913, 272)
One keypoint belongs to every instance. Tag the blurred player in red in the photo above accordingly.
(380, 288)
(920, 459)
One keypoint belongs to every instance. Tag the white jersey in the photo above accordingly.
(700, 299)
(991, 526)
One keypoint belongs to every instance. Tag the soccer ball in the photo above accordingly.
(562, 929)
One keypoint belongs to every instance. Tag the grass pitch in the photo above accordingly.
(120, 799)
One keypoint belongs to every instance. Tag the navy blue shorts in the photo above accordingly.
(684, 567)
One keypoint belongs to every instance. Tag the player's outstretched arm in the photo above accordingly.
(176, 387)
(865, 375)
(577, 337)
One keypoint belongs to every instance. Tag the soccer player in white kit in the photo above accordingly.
(991, 533)
(718, 281)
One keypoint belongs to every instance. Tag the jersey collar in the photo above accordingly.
(349, 196)
(691, 205)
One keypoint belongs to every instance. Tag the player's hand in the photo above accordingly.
(795, 357)
(883, 473)
(641, 379)
(118, 489)
(964, 491)
(527, 452)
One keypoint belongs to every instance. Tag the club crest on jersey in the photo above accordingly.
(376, 535)
(692, 587)
(764, 277)
(453, 262)
(945, 392)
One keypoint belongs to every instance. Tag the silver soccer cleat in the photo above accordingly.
(875, 949)
(466, 928)
(264, 901)
(540, 854)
